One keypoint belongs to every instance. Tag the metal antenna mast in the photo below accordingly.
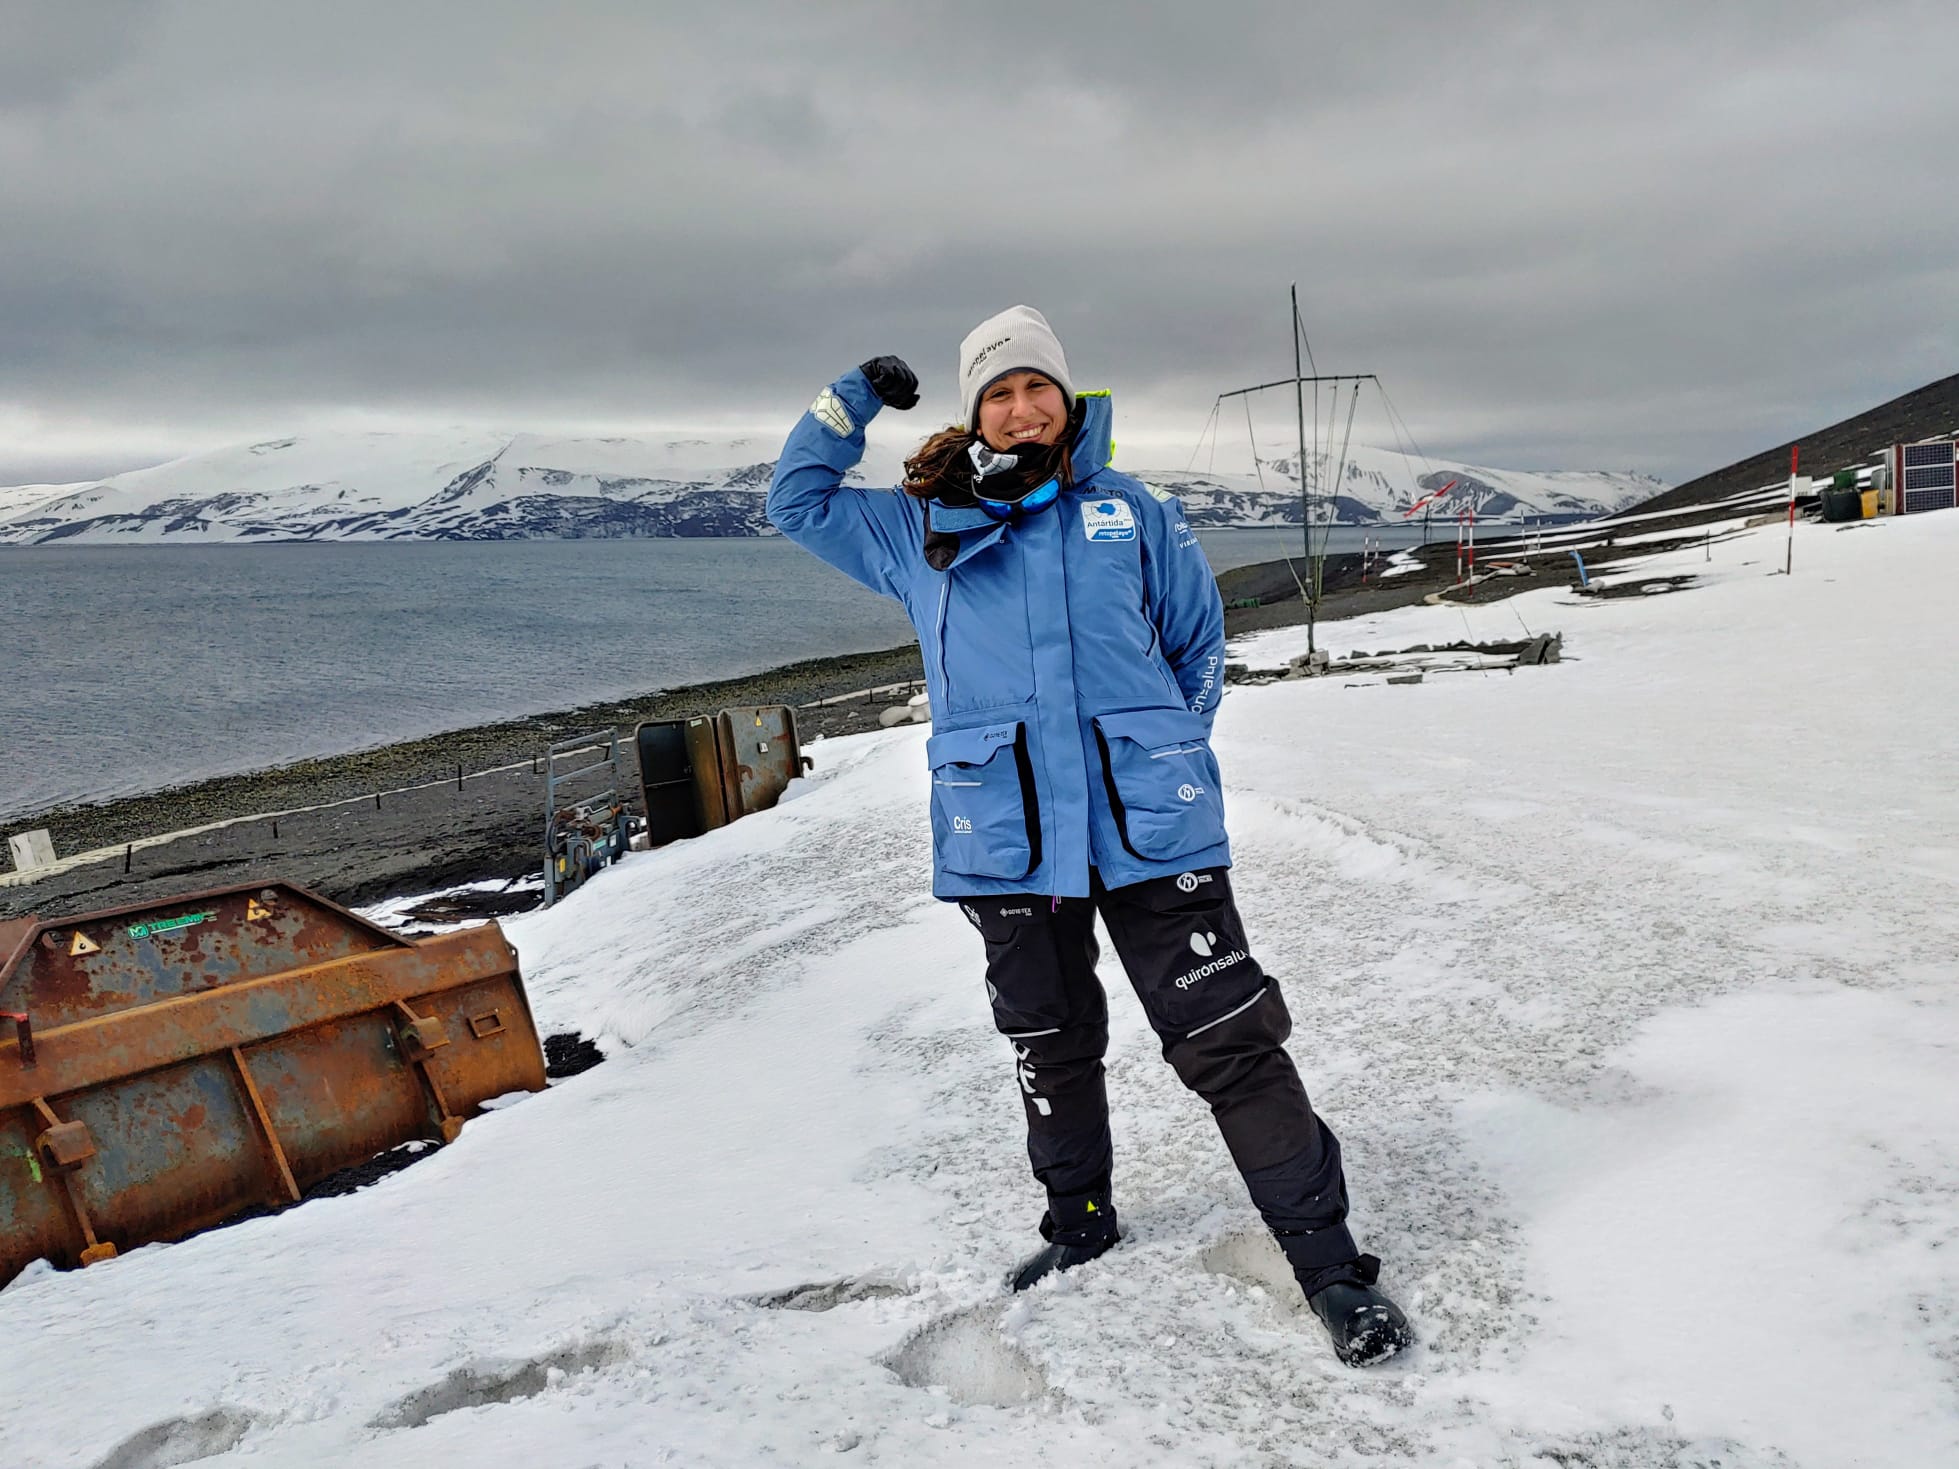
(1298, 382)
(1305, 501)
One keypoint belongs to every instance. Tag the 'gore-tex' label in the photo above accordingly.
(1108, 520)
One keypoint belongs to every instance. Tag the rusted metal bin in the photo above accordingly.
(169, 1065)
(700, 773)
(760, 755)
(680, 782)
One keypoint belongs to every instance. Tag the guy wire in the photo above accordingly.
(1253, 436)
(1209, 427)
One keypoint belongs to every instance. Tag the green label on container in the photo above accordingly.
(27, 1157)
(167, 925)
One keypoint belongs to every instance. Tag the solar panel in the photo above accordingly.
(1933, 453)
(1930, 477)
(1917, 500)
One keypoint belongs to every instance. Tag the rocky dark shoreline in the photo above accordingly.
(410, 840)
(425, 831)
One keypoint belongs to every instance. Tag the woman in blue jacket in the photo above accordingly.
(1073, 641)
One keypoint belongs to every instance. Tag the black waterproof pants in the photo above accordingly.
(1223, 1027)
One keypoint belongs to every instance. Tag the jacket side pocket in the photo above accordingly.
(1162, 782)
(986, 817)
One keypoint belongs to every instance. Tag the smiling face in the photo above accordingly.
(1021, 409)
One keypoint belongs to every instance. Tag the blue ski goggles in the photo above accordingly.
(1036, 499)
(988, 462)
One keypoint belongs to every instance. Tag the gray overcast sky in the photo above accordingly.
(1655, 238)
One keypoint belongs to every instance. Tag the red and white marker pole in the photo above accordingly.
(1789, 554)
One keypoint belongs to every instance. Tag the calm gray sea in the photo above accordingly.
(127, 669)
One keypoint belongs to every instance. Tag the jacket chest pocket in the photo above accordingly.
(986, 818)
(980, 628)
(1162, 782)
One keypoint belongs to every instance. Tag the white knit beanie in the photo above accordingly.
(1019, 339)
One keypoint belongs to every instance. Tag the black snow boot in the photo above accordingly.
(1365, 1325)
(1077, 1229)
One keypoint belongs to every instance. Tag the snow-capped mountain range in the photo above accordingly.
(480, 486)
(1374, 486)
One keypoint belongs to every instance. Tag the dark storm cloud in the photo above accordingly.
(52, 51)
(1653, 241)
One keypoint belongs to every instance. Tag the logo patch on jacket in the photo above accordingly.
(1108, 520)
(829, 411)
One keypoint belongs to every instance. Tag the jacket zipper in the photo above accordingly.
(1154, 655)
(945, 672)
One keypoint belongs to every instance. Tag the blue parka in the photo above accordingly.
(1074, 659)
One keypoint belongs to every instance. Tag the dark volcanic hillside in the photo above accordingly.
(1923, 413)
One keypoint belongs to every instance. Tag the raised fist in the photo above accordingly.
(894, 383)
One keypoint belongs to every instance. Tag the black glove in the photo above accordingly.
(894, 383)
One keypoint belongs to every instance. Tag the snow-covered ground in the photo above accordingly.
(1629, 983)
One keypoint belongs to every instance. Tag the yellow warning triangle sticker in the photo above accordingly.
(255, 910)
(1091, 1206)
(81, 944)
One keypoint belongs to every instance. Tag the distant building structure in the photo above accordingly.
(1922, 476)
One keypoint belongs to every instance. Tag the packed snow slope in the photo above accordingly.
(481, 486)
(1852, 443)
(1629, 984)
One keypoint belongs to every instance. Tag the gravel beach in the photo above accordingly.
(424, 832)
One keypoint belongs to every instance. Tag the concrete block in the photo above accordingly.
(31, 850)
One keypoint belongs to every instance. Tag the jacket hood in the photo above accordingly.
(1095, 443)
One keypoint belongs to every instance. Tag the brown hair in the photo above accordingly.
(929, 472)
(937, 468)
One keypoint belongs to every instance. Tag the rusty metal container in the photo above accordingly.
(680, 780)
(164, 1067)
(760, 755)
(697, 774)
